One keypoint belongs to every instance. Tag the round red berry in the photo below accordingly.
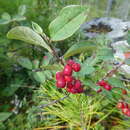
(70, 62)
(68, 78)
(77, 84)
(68, 90)
(120, 105)
(70, 85)
(67, 70)
(126, 105)
(108, 87)
(125, 110)
(73, 90)
(76, 67)
(60, 83)
(102, 83)
(99, 90)
(59, 75)
(128, 113)
(80, 90)
(124, 92)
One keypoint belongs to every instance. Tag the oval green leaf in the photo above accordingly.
(68, 22)
(79, 48)
(25, 62)
(4, 115)
(26, 34)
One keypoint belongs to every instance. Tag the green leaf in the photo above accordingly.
(79, 48)
(4, 115)
(68, 22)
(12, 87)
(91, 85)
(115, 82)
(48, 74)
(36, 64)
(105, 54)
(37, 28)
(5, 16)
(86, 70)
(25, 62)
(39, 77)
(27, 35)
(52, 67)
(47, 59)
(22, 10)
(18, 18)
(4, 21)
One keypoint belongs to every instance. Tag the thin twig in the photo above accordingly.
(53, 102)
(113, 71)
(126, 80)
(44, 37)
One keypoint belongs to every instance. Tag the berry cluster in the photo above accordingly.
(105, 85)
(64, 79)
(124, 107)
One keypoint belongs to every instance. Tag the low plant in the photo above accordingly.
(94, 68)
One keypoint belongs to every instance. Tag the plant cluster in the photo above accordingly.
(65, 79)
(105, 85)
(124, 107)
(76, 106)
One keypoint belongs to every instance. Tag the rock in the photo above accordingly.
(113, 28)
(120, 47)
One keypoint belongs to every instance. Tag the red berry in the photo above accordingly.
(73, 90)
(70, 85)
(124, 92)
(77, 84)
(76, 67)
(108, 87)
(128, 113)
(67, 70)
(60, 83)
(120, 105)
(80, 90)
(70, 62)
(99, 90)
(68, 78)
(125, 110)
(126, 105)
(68, 90)
(59, 75)
(101, 83)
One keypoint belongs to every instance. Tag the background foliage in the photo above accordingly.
(20, 87)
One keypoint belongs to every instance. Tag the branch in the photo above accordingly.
(53, 102)
(113, 71)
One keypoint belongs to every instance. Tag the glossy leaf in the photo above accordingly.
(5, 16)
(79, 48)
(22, 10)
(115, 82)
(37, 28)
(27, 35)
(69, 20)
(4, 115)
(86, 70)
(39, 77)
(25, 62)
(91, 85)
(105, 54)
(18, 18)
(4, 21)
